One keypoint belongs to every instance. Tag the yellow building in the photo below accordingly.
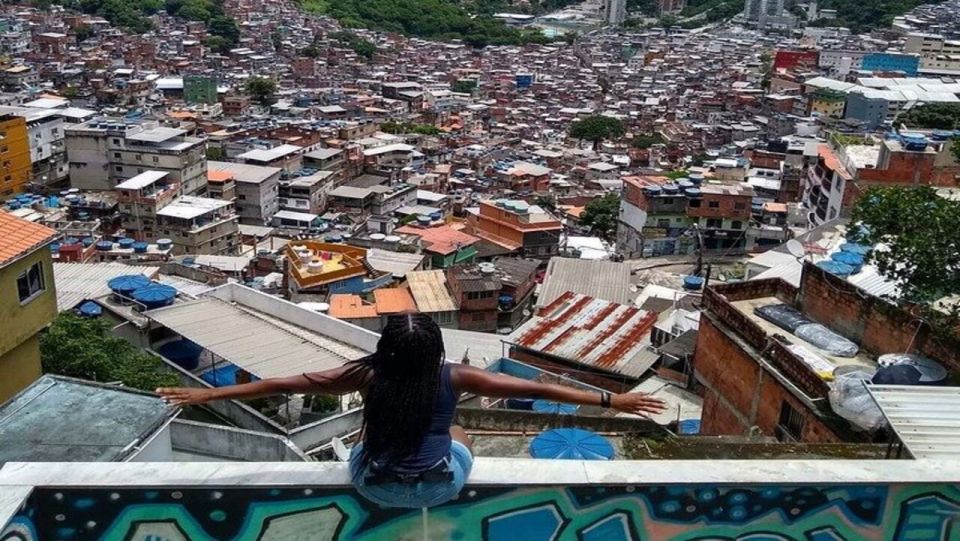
(28, 302)
(827, 103)
(15, 165)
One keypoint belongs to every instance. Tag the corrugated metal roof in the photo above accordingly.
(184, 285)
(78, 281)
(398, 263)
(599, 279)
(926, 419)
(582, 329)
(429, 290)
(258, 343)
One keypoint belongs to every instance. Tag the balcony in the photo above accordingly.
(505, 499)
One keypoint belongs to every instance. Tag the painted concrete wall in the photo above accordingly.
(855, 506)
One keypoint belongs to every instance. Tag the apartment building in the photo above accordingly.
(104, 152)
(937, 54)
(200, 225)
(48, 153)
(529, 231)
(257, 190)
(141, 198)
(305, 193)
(15, 166)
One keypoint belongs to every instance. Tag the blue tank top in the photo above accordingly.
(436, 444)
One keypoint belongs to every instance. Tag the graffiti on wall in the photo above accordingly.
(591, 513)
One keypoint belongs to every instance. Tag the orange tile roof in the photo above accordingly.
(394, 301)
(350, 307)
(19, 237)
(218, 176)
(441, 239)
(770, 206)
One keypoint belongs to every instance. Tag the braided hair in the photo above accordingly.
(402, 390)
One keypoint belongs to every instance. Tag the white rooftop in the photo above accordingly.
(189, 207)
(142, 180)
(267, 156)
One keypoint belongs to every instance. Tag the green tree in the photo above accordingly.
(84, 348)
(667, 22)
(311, 51)
(920, 254)
(83, 33)
(931, 116)
(647, 141)
(276, 38)
(261, 88)
(214, 153)
(219, 44)
(600, 215)
(547, 202)
(465, 86)
(597, 128)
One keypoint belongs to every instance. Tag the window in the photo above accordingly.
(30, 283)
(156, 159)
(790, 424)
(119, 168)
(736, 224)
(713, 204)
(740, 206)
(116, 155)
(714, 223)
(695, 203)
(242, 197)
(116, 141)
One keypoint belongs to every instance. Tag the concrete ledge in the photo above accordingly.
(489, 472)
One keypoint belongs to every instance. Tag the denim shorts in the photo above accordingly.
(415, 495)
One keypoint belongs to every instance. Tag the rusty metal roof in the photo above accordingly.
(586, 330)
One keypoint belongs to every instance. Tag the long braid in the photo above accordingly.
(403, 390)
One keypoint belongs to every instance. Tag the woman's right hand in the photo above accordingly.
(637, 404)
(184, 396)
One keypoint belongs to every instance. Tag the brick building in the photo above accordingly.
(529, 231)
(755, 381)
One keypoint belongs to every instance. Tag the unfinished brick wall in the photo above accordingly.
(877, 325)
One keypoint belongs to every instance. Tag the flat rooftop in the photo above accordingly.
(189, 207)
(60, 419)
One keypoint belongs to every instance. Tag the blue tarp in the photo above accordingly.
(571, 444)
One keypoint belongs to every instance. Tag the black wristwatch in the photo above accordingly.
(604, 399)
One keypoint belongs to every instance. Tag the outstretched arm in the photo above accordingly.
(473, 380)
(342, 380)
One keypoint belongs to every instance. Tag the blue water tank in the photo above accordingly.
(55, 247)
(90, 309)
(652, 190)
(87, 241)
(692, 193)
(164, 244)
(71, 240)
(835, 267)
(13, 204)
(155, 295)
(183, 353)
(506, 299)
(685, 184)
(104, 245)
(692, 282)
(126, 244)
(671, 188)
(140, 247)
(53, 201)
(688, 426)
(424, 219)
(127, 284)
(436, 215)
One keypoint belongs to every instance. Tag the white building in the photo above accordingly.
(257, 190)
(200, 225)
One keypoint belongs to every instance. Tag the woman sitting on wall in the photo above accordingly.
(411, 454)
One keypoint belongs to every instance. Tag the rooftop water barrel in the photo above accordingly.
(164, 244)
(87, 241)
(436, 215)
(423, 219)
(304, 254)
(155, 295)
(692, 192)
(377, 236)
(692, 282)
(13, 204)
(184, 353)
(55, 247)
(140, 247)
(83, 216)
(90, 309)
(835, 267)
(334, 238)
(71, 240)
(189, 261)
(652, 190)
(506, 299)
(696, 178)
(125, 244)
(104, 245)
(315, 265)
(53, 201)
(391, 239)
(127, 284)
(671, 188)
(684, 184)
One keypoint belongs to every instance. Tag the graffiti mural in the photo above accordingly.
(592, 513)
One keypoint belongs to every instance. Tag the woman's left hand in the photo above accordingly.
(637, 403)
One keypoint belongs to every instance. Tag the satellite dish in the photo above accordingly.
(795, 247)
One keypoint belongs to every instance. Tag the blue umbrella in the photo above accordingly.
(571, 444)
(548, 406)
